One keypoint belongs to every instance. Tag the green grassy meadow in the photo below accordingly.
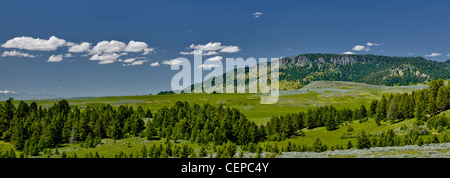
(339, 94)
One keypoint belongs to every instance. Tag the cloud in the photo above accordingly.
(154, 64)
(106, 62)
(211, 48)
(79, 48)
(205, 53)
(373, 44)
(230, 49)
(108, 52)
(187, 53)
(433, 55)
(147, 50)
(172, 62)
(137, 46)
(207, 47)
(67, 55)
(57, 58)
(257, 14)
(207, 66)
(209, 53)
(358, 48)
(135, 63)
(7, 92)
(348, 52)
(37, 44)
(106, 58)
(448, 55)
(129, 60)
(215, 58)
(17, 53)
(112, 46)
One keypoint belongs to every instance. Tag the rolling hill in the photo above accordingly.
(298, 71)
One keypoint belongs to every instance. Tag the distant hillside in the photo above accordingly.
(298, 71)
(26, 96)
(370, 69)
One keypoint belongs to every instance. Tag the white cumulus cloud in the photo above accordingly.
(207, 66)
(154, 64)
(17, 53)
(215, 58)
(172, 62)
(211, 48)
(67, 55)
(37, 44)
(433, 55)
(348, 52)
(57, 58)
(79, 48)
(112, 46)
(358, 48)
(106, 58)
(137, 46)
(230, 49)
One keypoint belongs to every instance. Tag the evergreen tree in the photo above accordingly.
(373, 108)
(363, 141)
(362, 112)
(443, 99)
(349, 144)
(381, 110)
(420, 106)
(318, 146)
(393, 112)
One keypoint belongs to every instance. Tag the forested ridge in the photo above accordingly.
(298, 71)
(371, 69)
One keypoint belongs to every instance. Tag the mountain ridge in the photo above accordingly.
(300, 70)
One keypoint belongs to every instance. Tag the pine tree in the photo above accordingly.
(150, 131)
(185, 151)
(349, 144)
(420, 106)
(442, 99)
(381, 109)
(148, 113)
(318, 147)
(362, 112)
(393, 112)
(373, 108)
(363, 141)
(203, 152)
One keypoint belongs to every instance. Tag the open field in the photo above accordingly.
(320, 93)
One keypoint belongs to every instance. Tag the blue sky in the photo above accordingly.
(105, 48)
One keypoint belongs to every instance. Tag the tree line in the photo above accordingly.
(203, 124)
(32, 128)
(422, 104)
